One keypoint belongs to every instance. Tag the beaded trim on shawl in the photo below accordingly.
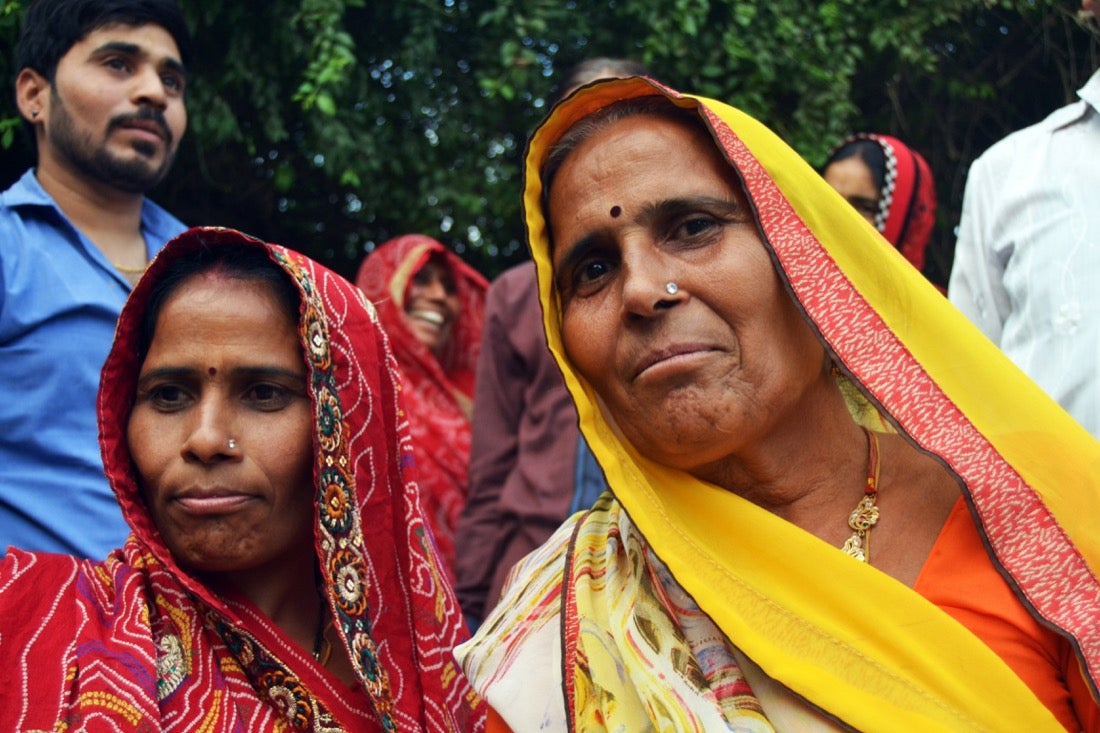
(283, 690)
(342, 553)
(889, 185)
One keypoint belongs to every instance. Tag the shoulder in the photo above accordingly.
(530, 601)
(25, 190)
(31, 580)
(1022, 145)
(537, 578)
(514, 660)
(514, 285)
(30, 221)
(53, 599)
(521, 275)
(159, 225)
(39, 595)
(16, 204)
(79, 627)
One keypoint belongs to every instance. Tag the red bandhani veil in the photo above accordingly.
(907, 201)
(438, 392)
(135, 643)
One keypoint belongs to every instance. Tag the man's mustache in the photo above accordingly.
(143, 114)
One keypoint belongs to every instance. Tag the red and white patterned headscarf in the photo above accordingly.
(438, 390)
(907, 200)
(136, 643)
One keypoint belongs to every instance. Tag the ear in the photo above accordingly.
(32, 95)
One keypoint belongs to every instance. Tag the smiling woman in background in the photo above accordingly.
(432, 305)
(277, 576)
(831, 506)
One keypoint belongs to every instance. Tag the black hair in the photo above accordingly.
(869, 151)
(598, 67)
(238, 263)
(52, 27)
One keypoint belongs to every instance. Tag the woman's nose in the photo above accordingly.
(210, 437)
(648, 285)
(435, 289)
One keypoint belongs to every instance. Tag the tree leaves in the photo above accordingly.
(332, 125)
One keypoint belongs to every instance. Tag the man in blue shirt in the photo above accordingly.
(101, 88)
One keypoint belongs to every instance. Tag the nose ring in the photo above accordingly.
(232, 444)
(672, 288)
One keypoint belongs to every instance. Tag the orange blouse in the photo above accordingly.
(959, 577)
(494, 723)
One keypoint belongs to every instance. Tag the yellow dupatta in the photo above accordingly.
(844, 636)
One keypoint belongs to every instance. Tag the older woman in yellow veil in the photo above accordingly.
(833, 503)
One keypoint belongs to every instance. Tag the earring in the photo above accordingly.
(672, 288)
(232, 444)
(34, 114)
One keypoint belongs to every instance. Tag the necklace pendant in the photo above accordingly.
(864, 516)
(853, 547)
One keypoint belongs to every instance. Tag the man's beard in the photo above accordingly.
(136, 175)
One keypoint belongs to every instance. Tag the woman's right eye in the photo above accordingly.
(593, 271)
(166, 397)
(590, 275)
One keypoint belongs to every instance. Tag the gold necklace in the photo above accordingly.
(130, 270)
(865, 515)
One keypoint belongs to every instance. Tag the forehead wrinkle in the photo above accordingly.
(600, 161)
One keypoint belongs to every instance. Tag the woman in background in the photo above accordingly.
(891, 185)
(432, 305)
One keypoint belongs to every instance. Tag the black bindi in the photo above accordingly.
(616, 211)
(212, 371)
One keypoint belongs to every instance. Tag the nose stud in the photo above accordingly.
(232, 444)
(672, 288)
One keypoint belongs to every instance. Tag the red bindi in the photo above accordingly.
(616, 211)
(212, 371)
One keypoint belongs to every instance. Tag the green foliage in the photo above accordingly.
(332, 125)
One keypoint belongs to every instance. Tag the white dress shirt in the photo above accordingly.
(1027, 261)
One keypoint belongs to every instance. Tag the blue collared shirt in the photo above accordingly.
(59, 300)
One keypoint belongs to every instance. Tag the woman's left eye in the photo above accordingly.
(694, 226)
(268, 396)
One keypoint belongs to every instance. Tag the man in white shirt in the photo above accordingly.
(1027, 261)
